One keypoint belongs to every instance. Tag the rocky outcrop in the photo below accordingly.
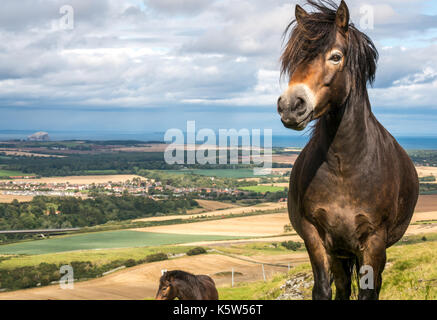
(39, 136)
(297, 288)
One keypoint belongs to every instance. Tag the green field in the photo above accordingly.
(11, 173)
(220, 173)
(103, 240)
(262, 189)
(97, 257)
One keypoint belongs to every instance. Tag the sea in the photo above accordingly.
(297, 141)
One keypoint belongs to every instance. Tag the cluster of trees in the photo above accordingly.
(428, 188)
(121, 162)
(196, 251)
(423, 157)
(430, 178)
(266, 197)
(66, 212)
(291, 245)
(194, 180)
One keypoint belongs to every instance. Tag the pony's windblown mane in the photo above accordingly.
(315, 33)
(178, 274)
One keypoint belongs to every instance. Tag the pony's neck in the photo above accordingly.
(344, 130)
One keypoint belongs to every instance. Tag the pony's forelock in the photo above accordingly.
(315, 34)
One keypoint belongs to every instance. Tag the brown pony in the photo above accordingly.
(186, 286)
(353, 189)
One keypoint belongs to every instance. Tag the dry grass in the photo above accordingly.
(427, 171)
(426, 203)
(84, 179)
(252, 226)
(288, 159)
(7, 198)
(225, 212)
(17, 152)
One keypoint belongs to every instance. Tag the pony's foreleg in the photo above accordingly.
(371, 265)
(342, 271)
(319, 262)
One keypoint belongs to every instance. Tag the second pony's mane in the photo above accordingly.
(181, 275)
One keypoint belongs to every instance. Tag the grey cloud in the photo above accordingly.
(25, 14)
(123, 55)
(178, 7)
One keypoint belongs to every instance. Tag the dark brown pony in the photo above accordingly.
(186, 286)
(353, 189)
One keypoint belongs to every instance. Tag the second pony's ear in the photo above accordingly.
(342, 16)
(300, 14)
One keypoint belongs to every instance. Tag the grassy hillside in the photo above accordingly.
(410, 274)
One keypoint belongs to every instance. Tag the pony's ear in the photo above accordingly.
(300, 13)
(342, 16)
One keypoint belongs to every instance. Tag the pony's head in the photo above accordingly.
(167, 289)
(326, 58)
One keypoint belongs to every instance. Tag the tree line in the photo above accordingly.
(67, 212)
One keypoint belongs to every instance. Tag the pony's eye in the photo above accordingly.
(336, 58)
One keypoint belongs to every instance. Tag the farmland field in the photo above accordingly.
(220, 173)
(11, 173)
(253, 226)
(90, 172)
(7, 198)
(267, 206)
(262, 189)
(104, 240)
(84, 179)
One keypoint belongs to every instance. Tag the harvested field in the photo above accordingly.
(7, 198)
(236, 210)
(225, 243)
(211, 205)
(276, 184)
(263, 188)
(21, 153)
(427, 171)
(281, 158)
(253, 226)
(426, 203)
(423, 216)
(84, 179)
(214, 205)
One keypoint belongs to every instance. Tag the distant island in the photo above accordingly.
(39, 136)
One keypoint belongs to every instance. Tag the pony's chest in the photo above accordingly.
(343, 228)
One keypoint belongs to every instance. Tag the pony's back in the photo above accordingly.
(210, 292)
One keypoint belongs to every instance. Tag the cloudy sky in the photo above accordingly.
(149, 65)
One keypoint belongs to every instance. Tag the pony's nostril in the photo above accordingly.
(279, 105)
(299, 103)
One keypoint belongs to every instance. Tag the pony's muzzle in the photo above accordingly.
(295, 107)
